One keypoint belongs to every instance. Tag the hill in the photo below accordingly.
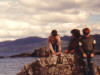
(21, 45)
(30, 43)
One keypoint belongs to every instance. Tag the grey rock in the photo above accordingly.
(63, 64)
(41, 52)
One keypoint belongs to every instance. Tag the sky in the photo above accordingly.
(25, 18)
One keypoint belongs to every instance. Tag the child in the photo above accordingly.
(73, 45)
(87, 46)
(54, 42)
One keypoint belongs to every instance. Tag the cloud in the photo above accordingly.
(24, 18)
(9, 32)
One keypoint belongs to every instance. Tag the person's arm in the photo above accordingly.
(94, 46)
(69, 46)
(51, 48)
(81, 50)
(59, 43)
(80, 47)
(60, 48)
(50, 45)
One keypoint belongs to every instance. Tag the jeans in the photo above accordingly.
(88, 65)
(55, 47)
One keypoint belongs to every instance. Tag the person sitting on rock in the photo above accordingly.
(54, 42)
(73, 45)
(87, 46)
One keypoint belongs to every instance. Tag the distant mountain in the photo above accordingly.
(30, 43)
(23, 41)
(65, 38)
(21, 45)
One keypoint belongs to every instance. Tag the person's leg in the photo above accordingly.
(54, 47)
(57, 48)
(85, 66)
(91, 66)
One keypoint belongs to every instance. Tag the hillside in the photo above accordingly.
(21, 45)
(30, 43)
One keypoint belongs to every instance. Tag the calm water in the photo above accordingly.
(11, 66)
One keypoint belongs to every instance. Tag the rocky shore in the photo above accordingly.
(63, 64)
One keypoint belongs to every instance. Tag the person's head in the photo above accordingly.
(86, 31)
(76, 33)
(54, 33)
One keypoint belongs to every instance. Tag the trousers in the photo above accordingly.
(88, 65)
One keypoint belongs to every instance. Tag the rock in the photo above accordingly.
(27, 54)
(98, 69)
(1, 56)
(41, 52)
(63, 64)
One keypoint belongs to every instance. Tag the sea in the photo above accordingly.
(12, 66)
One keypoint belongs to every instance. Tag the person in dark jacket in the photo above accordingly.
(87, 46)
(73, 45)
(54, 42)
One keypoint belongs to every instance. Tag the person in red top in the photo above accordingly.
(73, 45)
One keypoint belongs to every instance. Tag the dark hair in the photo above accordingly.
(76, 33)
(86, 31)
(54, 32)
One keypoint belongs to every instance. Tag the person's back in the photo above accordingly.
(54, 40)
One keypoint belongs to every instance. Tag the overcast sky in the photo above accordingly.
(25, 18)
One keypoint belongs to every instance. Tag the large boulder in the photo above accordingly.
(41, 52)
(63, 64)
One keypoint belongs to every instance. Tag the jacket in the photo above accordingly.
(87, 44)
